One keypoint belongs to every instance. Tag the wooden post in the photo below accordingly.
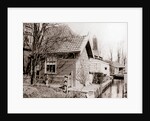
(35, 72)
(123, 89)
(65, 84)
(71, 81)
(31, 67)
(45, 67)
(74, 75)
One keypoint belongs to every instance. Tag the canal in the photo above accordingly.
(117, 89)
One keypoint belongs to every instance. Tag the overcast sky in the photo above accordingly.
(109, 35)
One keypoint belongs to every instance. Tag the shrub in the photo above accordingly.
(98, 78)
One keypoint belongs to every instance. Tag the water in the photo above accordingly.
(115, 90)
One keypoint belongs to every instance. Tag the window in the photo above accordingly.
(51, 67)
(105, 68)
(37, 72)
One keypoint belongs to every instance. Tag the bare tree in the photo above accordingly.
(121, 55)
(111, 54)
(27, 35)
(101, 49)
(46, 38)
(123, 58)
(111, 59)
(118, 55)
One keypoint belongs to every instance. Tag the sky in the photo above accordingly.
(109, 35)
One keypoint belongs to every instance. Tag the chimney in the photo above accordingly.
(95, 43)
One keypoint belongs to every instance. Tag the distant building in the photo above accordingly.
(97, 64)
(117, 68)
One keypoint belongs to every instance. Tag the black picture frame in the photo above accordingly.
(27, 3)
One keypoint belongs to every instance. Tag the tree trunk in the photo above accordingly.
(28, 68)
(23, 63)
(32, 71)
(32, 78)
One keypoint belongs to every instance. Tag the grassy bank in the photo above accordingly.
(47, 92)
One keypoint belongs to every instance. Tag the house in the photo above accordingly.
(97, 64)
(75, 58)
(71, 58)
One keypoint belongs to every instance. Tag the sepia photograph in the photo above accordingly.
(59, 57)
(75, 60)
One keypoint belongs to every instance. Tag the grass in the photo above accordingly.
(42, 92)
(47, 92)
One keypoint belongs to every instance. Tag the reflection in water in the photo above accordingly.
(115, 90)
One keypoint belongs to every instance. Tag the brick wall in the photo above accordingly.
(64, 67)
(79, 69)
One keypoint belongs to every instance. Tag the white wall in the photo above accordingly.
(103, 66)
(116, 70)
(99, 66)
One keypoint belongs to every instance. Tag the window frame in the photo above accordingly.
(51, 63)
